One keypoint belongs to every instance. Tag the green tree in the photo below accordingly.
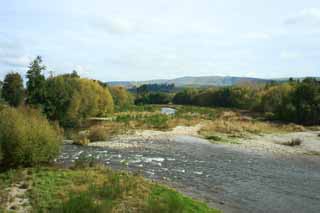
(121, 97)
(186, 97)
(90, 99)
(306, 99)
(12, 90)
(71, 100)
(36, 82)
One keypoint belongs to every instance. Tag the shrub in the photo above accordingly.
(27, 138)
(97, 133)
(157, 121)
(81, 138)
(213, 137)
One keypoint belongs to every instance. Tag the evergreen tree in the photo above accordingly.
(36, 82)
(12, 90)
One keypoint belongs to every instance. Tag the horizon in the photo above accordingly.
(221, 76)
(142, 40)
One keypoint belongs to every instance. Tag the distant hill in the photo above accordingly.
(194, 81)
(202, 81)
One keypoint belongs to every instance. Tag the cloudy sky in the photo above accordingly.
(150, 39)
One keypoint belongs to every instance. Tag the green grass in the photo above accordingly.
(222, 139)
(98, 189)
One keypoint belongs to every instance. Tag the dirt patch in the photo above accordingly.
(17, 198)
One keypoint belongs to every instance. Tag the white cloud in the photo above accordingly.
(309, 16)
(16, 61)
(116, 25)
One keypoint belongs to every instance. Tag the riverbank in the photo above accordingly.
(270, 142)
(88, 189)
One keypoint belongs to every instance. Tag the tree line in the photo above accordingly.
(31, 116)
(68, 98)
(295, 101)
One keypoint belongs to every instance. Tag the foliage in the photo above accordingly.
(89, 99)
(59, 93)
(186, 97)
(275, 99)
(153, 88)
(98, 133)
(26, 138)
(72, 100)
(121, 97)
(36, 82)
(153, 98)
(81, 138)
(12, 89)
(306, 101)
(295, 101)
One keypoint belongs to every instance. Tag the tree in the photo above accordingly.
(121, 97)
(36, 82)
(306, 99)
(89, 99)
(186, 97)
(71, 100)
(12, 90)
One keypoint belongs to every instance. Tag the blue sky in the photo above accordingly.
(148, 39)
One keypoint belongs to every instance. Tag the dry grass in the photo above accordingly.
(235, 125)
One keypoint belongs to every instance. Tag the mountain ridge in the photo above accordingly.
(194, 81)
(202, 81)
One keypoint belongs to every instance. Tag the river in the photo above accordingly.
(231, 180)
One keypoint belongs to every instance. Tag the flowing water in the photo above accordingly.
(231, 180)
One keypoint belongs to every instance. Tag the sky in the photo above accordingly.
(160, 39)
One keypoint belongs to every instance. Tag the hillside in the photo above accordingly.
(195, 81)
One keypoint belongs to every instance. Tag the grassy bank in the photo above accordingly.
(95, 189)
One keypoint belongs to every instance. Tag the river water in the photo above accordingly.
(231, 180)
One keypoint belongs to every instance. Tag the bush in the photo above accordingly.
(27, 138)
(81, 138)
(157, 121)
(97, 133)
